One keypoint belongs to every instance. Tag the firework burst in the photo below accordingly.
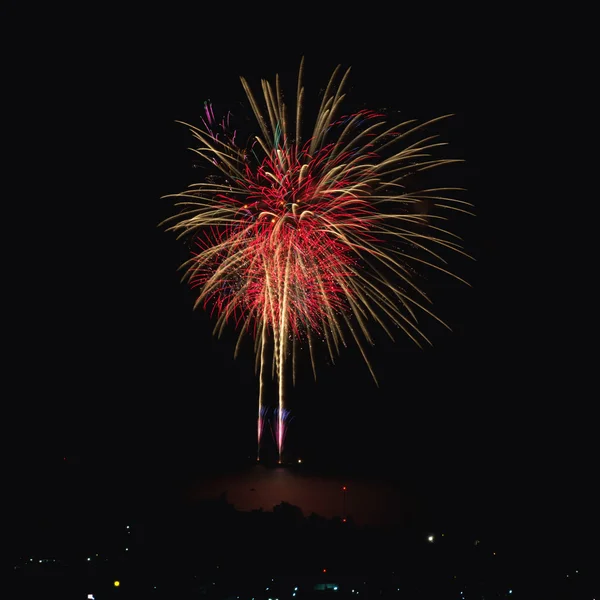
(305, 240)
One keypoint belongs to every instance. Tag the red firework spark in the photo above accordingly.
(278, 242)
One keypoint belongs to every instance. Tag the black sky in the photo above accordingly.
(114, 364)
(138, 317)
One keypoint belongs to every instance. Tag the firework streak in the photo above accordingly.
(305, 241)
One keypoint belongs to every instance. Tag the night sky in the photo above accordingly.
(115, 366)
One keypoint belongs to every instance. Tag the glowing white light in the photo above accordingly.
(88, 558)
(430, 538)
(90, 596)
(335, 589)
(295, 589)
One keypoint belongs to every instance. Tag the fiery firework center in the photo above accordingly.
(317, 239)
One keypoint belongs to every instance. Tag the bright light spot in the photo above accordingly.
(127, 526)
(299, 460)
(344, 488)
(90, 596)
(510, 591)
(117, 583)
(324, 570)
(335, 588)
(126, 549)
(295, 589)
(88, 559)
(430, 538)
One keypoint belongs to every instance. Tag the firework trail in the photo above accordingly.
(282, 418)
(262, 419)
(300, 241)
